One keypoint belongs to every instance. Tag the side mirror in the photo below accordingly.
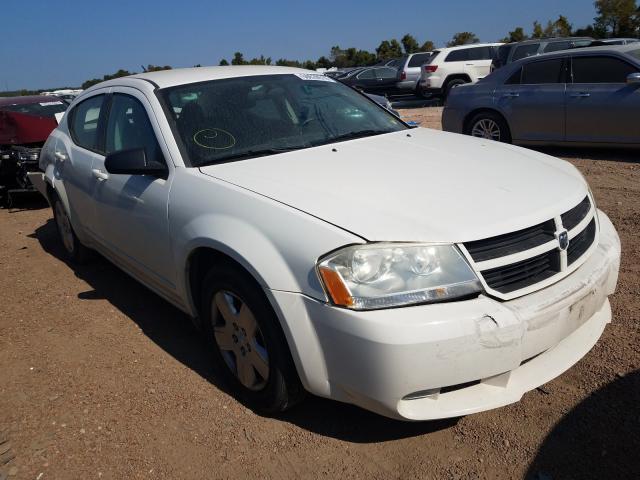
(133, 162)
(633, 79)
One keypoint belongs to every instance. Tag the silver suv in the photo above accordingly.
(409, 69)
(511, 52)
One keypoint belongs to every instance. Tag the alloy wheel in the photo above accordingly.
(486, 128)
(240, 340)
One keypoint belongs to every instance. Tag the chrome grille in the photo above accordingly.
(518, 262)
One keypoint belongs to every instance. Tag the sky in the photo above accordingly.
(46, 44)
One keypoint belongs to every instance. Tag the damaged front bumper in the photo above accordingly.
(452, 359)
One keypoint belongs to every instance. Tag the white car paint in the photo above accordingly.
(278, 215)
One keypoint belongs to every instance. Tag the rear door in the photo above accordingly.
(601, 106)
(533, 100)
(132, 210)
(366, 80)
(74, 156)
(386, 79)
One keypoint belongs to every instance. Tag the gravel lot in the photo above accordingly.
(100, 378)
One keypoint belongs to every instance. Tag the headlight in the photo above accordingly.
(384, 275)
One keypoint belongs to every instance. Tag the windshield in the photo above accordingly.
(243, 117)
(41, 109)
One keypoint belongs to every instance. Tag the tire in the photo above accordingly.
(451, 84)
(73, 248)
(489, 125)
(252, 358)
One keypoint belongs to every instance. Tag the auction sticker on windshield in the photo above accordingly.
(314, 76)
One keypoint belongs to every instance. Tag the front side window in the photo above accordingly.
(548, 71)
(479, 53)
(524, 51)
(255, 116)
(601, 70)
(129, 128)
(84, 122)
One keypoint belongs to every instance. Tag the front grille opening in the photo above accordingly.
(581, 242)
(510, 243)
(509, 278)
(460, 386)
(573, 217)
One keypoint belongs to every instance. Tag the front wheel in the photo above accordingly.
(490, 126)
(249, 348)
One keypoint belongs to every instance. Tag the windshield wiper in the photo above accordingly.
(252, 154)
(353, 135)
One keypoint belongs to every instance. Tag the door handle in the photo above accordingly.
(100, 175)
(511, 95)
(581, 95)
(61, 156)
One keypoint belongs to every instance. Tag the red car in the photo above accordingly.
(25, 124)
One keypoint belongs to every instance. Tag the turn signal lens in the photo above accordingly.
(335, 287)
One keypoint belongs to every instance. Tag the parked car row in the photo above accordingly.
(25, 124)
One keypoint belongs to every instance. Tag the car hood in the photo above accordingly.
(415, 185)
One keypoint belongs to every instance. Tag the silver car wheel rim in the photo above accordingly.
(240, 340)
(486, 128)
(64, 227)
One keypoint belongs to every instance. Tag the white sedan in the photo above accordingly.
(324, 246)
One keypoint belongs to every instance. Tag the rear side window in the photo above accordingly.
(386, 73)
(419, 59)
(84, 122)
(524, 51)
(556, 46)
(458, 55)
(366, 74)
(548, 71)
(601, 70)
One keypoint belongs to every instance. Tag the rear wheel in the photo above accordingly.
(451, 84)
(74, 249)
(489, 125)
(249, 348)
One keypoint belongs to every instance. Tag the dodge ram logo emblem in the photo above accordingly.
(563, 239)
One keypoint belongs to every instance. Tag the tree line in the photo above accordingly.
(615, 18)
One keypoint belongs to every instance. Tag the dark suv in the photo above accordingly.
(511, 52)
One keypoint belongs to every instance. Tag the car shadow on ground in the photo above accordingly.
(625, 155)
(173, 331)
(601, 434)
(26, 201)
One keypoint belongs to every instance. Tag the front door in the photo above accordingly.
(601, 106)
(132, 210)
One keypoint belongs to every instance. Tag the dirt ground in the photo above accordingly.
(100, 378)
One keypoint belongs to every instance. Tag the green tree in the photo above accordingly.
(517, 35)
(463, 38)
(428, 46)
(617, 18)
(389, 49)
(537, 30)
(562, 27)
(324, 62)
(238, 59)
(410, 44)
(155, 68)
(223, 63)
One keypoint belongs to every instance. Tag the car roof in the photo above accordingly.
(182, 76)
(586, 51)
(546, 39)
(468, 45)
(27, 99)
